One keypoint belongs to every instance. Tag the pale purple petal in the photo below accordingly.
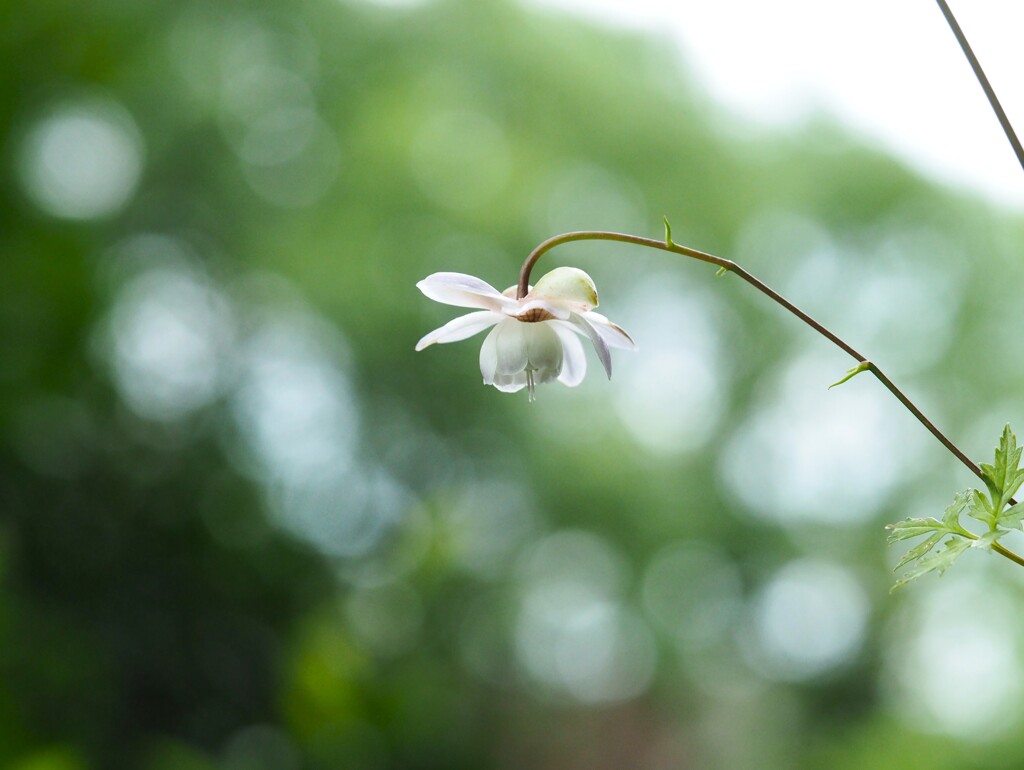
(461, 328)
(603, 354)
(615, 336)
(463, 291)
(574, 360)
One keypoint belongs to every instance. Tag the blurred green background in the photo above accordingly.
(244, 525)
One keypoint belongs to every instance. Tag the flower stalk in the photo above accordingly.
(729, 266)
(533, 340)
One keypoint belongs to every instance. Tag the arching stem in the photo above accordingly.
(979, 73)
(730, 266)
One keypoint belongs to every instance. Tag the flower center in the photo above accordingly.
(535, 314)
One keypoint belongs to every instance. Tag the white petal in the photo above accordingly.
(503, 352)
(574, 360)
(615, 336)
(510, 383)
(489, 356)
(510, 346)
(461, 328)
(544, 350)
(603, 354)
(463, 291)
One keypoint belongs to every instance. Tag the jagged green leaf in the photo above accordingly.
(908, 528)
(981, 508)
(926, 558)
(951, 516)
(920, 549)
(1012, 517)
(1004, 477)
(950, 524)
(938, 562)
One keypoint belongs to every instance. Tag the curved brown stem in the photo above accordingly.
(732, 267)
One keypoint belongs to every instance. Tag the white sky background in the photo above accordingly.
(891, 70)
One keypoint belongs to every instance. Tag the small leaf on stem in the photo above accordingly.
(863, 366)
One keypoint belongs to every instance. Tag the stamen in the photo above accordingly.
(529, 385)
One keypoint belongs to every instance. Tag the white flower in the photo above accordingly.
(534, 338)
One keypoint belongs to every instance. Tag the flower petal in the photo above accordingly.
(544, 351)
(463, 291)
(503, 352)
(511, 346)
(569, 285)
(574, 360)
(615, 336)
(510, 383)
(603, 354)
(461, 328)
(489, 356)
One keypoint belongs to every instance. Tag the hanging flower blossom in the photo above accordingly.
(534, 338)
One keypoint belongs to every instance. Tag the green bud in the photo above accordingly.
(567, 284)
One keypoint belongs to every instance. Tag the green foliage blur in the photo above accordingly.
(244, 525)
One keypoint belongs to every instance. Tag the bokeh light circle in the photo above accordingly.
(82, 160)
